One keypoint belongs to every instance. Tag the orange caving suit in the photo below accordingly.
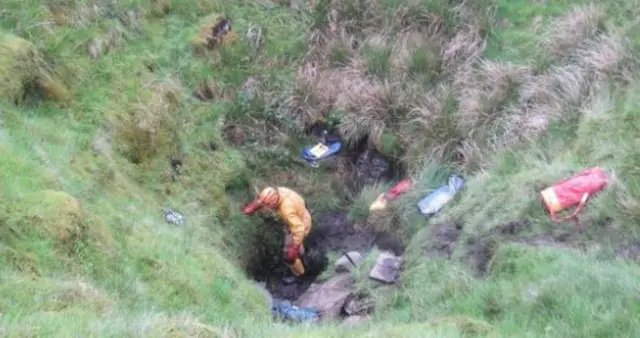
(297, 219)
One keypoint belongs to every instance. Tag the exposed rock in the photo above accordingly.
(387, 268)
(371, 168)
(328, 298)
(355, 305)
(343, 264)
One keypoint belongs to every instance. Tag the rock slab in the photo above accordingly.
(329, 297)
(343, 264)
(387, 268)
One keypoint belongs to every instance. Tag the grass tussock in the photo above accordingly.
(145, 128)
(512, 96)
(569, 31)
(216, 31)
(26, 74)
(371, 62)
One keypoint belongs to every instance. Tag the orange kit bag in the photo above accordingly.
(574, 191)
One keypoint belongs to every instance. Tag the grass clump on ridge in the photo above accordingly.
(514, 95)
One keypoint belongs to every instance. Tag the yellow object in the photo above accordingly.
(379, 204)
(551, 200)
(293, 211)
(319, 150)
(297, 267)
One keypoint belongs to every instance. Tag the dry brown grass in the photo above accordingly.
(604, 55)
(431, 129)
(467, 44)
(484, 89)
(572, 29)
(74, 13)
(79, 291)
(440, 96)
(380, 79)
(321, 90)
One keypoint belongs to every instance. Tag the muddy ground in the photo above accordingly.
(334, 231)
(444, 238)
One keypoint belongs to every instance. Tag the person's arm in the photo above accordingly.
(295, 223)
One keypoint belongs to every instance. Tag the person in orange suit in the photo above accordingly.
(291, 208)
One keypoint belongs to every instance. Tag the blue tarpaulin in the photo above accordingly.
(438, 198)
(284, 309)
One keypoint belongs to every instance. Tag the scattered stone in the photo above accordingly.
(371, 167)
(387, 268)
(173, 217)
(346, 262)
(355, 306)
(255, 37)
(328, 298)
(101, 144)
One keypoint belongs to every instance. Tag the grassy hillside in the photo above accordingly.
(101, 127)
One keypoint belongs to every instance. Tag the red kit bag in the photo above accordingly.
(574, 191)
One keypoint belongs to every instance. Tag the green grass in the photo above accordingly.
(85, 250)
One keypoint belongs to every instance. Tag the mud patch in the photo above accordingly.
(483, 247)
(443, 243)
(333, 232)
(480, 249)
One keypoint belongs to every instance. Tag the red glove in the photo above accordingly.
(293, 253)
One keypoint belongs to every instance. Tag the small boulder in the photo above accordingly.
(328, 298)
(387, 268)
(344, 263)
(357, 306)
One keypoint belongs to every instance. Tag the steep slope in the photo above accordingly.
(115, 110)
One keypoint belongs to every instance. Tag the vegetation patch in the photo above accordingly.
(195, 106)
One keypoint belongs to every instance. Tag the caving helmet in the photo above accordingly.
(268, 197)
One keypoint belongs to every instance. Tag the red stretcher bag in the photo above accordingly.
(574, 191)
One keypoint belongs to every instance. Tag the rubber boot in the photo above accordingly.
(298, 270)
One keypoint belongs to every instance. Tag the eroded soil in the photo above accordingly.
(332, 232)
